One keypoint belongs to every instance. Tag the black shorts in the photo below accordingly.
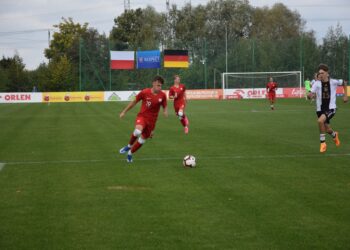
(328, 113)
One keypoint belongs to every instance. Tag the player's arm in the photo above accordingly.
(345, 97)
(165, 107)
(130, 106)
(172, 94)
(165, 111)
(311, 95)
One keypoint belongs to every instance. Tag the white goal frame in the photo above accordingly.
(225, 74)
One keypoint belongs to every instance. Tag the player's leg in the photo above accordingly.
(136, 134)
(146, 133)
(322, 128)
(140, 141)
(334, 134)
(139, 125)
(183, 119)
(329, 130)
(272, 101)
(185, 123)
(180, 112)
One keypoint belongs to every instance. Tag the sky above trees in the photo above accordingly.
(24, 24)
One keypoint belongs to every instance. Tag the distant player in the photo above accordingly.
(316, 78)
(271, 88)
(178, 93)
(307, 85)
(324, 90)
(152, 99)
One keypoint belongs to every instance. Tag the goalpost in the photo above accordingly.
(255, 80)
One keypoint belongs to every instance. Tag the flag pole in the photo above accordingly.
(80, 44)
(109, 65)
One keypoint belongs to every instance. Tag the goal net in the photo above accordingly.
(258, 80)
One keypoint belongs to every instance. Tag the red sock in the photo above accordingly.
(132, 139)
(136, 147)
(184, 121)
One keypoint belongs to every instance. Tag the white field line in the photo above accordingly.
(2, 165)
(243, 157)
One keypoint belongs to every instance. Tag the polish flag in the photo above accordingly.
(122, 60)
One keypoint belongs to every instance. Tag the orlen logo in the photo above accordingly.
(256, 92)
(238, 94)
(18, 97)
(297, 92)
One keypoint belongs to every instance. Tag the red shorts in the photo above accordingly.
(178, 106)
(272, 95)
(147, 124)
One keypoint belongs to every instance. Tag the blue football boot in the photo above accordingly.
(129, 158)
(124, 149)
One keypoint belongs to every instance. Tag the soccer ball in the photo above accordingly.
(189, 161)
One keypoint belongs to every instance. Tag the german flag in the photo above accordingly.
(175, 58)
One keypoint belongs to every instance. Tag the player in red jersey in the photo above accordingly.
(271, 88)
(178, 93)
(152, 99)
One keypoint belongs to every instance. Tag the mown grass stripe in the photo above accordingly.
(177, 158)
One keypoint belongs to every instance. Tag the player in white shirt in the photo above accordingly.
(316, 78)
(325, 92)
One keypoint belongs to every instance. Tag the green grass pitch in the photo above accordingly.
(261, 182)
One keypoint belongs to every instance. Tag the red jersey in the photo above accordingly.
(151, 103)
(271, 87)
(179, 92)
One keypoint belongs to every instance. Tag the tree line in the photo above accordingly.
(250, 38)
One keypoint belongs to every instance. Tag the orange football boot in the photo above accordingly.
(336, 139)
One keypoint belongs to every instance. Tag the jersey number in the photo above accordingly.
(325, 95)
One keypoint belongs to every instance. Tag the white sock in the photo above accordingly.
(322, 137)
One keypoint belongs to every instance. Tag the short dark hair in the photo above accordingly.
(159, 79)
(323, 66)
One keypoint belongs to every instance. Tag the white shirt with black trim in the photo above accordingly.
(328, 94)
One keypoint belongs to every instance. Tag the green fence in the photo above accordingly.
(208, 59)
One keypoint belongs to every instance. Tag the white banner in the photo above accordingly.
(258, 93)
(20, 97)
(111, 96)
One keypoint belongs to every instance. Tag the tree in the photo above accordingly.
(277, 23)
(333, 52)
(41, 78)
(65, 42)
(73, 44)
(137, 29)
(60, 75)
(14, 74)
(4, 80)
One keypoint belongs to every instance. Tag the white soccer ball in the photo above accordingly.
(189, 161)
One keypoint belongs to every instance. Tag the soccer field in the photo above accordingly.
(261, 182)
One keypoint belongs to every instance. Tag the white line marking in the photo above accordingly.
(243, 157)
(2, 165)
